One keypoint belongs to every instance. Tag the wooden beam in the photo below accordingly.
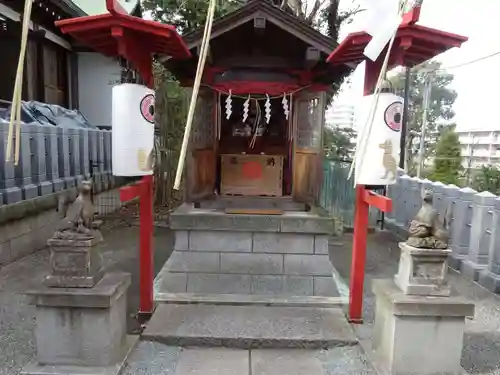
(249, 61)
(259, 25)
(312, 57)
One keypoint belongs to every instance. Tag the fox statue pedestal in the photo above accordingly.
(419, 319)
(81, 311)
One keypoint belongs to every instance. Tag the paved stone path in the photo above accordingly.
(151, 358)
(481, 354)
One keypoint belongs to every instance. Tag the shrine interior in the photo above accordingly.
(265, 144)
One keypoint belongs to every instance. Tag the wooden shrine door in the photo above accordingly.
(309, 116)
(201, 165)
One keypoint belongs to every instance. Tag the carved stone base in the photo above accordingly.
(417, 334)
(74, 263)
(81, 330)
(422, 272)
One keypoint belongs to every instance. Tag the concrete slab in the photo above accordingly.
(249, 326)
(152, 358)
(286, 361)
(213, 361)
(347, 360)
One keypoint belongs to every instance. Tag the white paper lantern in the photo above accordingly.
(382, 148)
(132, 130)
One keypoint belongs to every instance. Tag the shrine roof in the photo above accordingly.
(275, 15)
(413, 45)
(135, 39)
(100, 33)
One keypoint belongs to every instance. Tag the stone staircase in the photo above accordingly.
(247, 255)
(248, 294)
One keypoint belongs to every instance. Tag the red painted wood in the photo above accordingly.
(144, 191)
(421, 41)
(146, 304)
(381, 202)
(412, 17)
(114, 7)
(358, 257)
(133, 38)
(265, 87)
(128, 193)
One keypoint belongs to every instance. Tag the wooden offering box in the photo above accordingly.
(257, 175)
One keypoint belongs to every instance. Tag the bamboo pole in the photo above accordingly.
(196, 87)
(15, 113)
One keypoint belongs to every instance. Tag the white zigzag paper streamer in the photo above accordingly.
(246, 106)
(286, 110)
(267, 107)
(229, 109)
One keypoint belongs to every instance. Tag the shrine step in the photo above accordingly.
(248, 327)
(263, 203)
(187, 217)
(249, 300)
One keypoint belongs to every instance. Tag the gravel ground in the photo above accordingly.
(17, 321)
(481, 353)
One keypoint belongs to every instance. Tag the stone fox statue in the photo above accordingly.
(426, 231)
(388, 161)
(79, 220)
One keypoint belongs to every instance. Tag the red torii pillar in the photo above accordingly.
(144, 191)
(364, 199)
(137, 40)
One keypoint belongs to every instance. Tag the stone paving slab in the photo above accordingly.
(213, 361)
(249, 326)
(153, 358)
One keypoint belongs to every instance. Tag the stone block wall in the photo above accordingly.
(473, 220)
(250, 262)
(52, 159)
(26, 226)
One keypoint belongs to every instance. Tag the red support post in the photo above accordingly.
(358, 257)
(146, 246)
(144, 191)
(364, 199)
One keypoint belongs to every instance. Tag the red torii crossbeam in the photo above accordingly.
(136, 40)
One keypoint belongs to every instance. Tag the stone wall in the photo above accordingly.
(52, 159)
(26, 226)
(474, 224)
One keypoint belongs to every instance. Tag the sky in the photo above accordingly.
(477, 83)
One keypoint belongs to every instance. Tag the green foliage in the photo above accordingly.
(337, 143)
(487, 179)
(447, 159)
(440, 111)
(187, 15)
(171, 111)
